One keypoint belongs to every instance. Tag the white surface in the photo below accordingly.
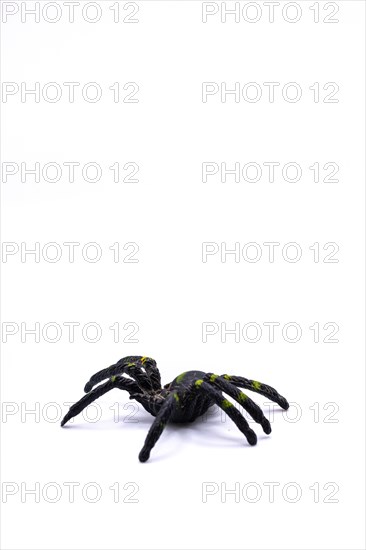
(170, 292)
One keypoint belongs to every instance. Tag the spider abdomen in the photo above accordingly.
(190, 404)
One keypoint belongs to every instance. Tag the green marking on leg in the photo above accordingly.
(113, 378)
(242, 397)
(180, 377)
(256, 385)
(227, 377)
(198, 383)
(176, 397)
(131, 364)
(213, 377)
(226, 404)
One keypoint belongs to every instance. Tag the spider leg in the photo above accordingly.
(129, 365)
(252, 408)
(158, 426)
(229, 408)
(114, 382)
(258, 387)
(152, 371)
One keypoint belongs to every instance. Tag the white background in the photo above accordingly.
(170, 292)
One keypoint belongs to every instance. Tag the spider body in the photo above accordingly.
(184, 399)
(190, 405)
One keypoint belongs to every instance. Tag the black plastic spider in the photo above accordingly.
(182, 400)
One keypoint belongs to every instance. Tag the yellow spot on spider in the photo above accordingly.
(256, 385)
(131, 364)
(113, 378)
(180, 377)
(226, 404)
(213, 377)
(143, 359)
(227, 377)
(198, 383)
(176, 397)
(242, 397)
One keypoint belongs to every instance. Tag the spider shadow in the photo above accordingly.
(144, 420)
(204, 433)
(210, 432)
